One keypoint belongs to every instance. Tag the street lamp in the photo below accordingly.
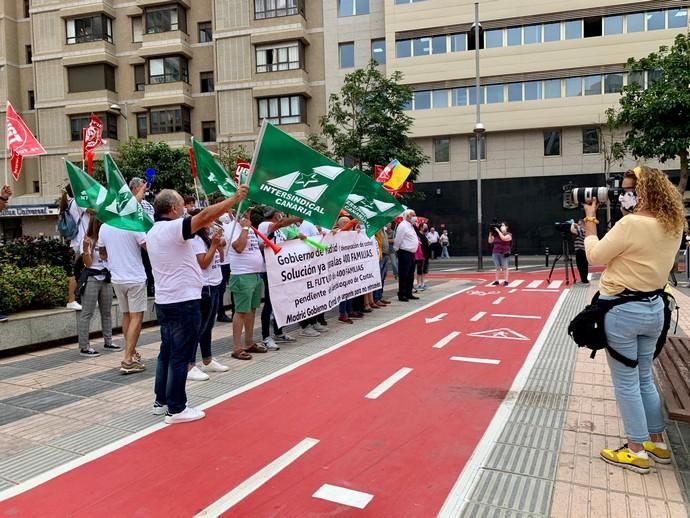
(479, 130)
(123, 113)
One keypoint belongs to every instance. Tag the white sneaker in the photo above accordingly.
(214, 366)
(270, 344)
(310, 331)
(285, 338)
(74, 305)
(196, 375)
(187, 415)
(159, 409)
(320, 328)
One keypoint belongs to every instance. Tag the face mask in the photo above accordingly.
(628, 201)
(184, 211)
(413, 219)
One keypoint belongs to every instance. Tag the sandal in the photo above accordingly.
(256, 348)
(242, 355)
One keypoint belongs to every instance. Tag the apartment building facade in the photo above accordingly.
(161, 70)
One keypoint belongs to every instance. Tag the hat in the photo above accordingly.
(270, 212)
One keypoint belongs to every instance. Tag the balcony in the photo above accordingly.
(161, 43)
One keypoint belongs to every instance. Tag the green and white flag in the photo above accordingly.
(212, 175)
(371, 205)
(292, 177)
(123, 204)
(88, 193)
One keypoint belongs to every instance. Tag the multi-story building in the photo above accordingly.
(153, 69)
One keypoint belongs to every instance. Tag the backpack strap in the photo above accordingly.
(623, 359)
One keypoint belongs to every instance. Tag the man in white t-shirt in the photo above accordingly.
(128, 276)
(178, 296)
(81, 217)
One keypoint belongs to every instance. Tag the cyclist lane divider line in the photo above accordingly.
(446, 340)
(388, 383)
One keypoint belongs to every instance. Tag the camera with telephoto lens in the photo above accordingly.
(601, 194)
(494, 227)
(563, 226)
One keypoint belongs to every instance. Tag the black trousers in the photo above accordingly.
(225, 270)
(406, 264)
(582, 264)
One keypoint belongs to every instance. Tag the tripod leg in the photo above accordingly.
(555, 261)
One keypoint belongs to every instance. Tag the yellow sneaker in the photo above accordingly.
(626, 459)
(660, 455)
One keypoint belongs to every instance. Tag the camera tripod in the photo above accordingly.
(567, 259)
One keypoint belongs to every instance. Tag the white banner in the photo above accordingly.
(305, 282)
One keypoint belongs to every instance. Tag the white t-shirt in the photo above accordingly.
(96, 262)
(227, 227)
(175, 269)
(432, 237)
(309, 229)
(278, 236)
(82, 219)
(124, 254)
(250, 260)
(212, 275)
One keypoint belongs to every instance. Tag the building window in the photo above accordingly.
(514, 36)
(656, 20)
(165, 18)
(552, 89)
(88, 78)
(531, 34)
(278, 58)
(352, 7)
(613, 83)
(573, 86)
(613, 25)
(27, 6)
(514, 92)
(473, 95)
(91, 28)
(590, 140)
(552, 143)
(573, 29)
(441, 150)
(459, 96)
(137, 29)
(205, 32)
(399, 2)
(208, 131)
(378, 51)
(677, 18)
(592, 85)
(79, 122)
(458, 42)
(37, 186)
(32, 100)
(533, 90)
(169, 69)
(170, 120)
(637, 78)
(473, 148)
(494, 94)
(592, 27)
(422, 99)
(635, 22)
(282, 110)
(439, 98)
(346, 53)
(29, 55)
(206, 82)
(139, 78)
(403, 48)
(142, 125)
(276, 8)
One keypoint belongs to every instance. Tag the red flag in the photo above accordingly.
(384, 173)
(92, 137)
(242, 167)
(90, 155)
(19, 136)
(16, 164)
(192, 162)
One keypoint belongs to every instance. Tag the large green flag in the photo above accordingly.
(114, 205)
(293, 178)
(212, 175)
(371, 204)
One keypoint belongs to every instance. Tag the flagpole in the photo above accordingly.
(197, 190)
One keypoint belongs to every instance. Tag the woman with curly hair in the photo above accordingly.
(639, 252)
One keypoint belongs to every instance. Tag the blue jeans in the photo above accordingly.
(500, 261)
(345, 308)
(383, 264)
(210, 298)
(444, 251)
(180, 323)
(633, 329)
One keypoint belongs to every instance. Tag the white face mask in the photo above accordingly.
(413, 219)
(628, 201)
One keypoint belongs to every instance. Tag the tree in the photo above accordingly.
(366, 122)
(657, 119)
(228, 155)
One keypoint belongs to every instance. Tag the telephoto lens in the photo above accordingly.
(601, 194)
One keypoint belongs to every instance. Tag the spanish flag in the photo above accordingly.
(398, 175)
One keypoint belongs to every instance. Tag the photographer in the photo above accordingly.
(501, 239)
(638, 252)
(578, 231)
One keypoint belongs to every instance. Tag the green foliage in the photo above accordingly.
(29, 251)
(657, 119)
(32, 288)
(366, 122)
(228, 155)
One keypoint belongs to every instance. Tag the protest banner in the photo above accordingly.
(305, 282)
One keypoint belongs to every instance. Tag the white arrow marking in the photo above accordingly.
(474, 360)
(445, 341)
(437, 318)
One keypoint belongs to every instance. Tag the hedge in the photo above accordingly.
(33, 251)
(32, 288)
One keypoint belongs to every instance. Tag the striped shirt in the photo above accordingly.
(579, 238)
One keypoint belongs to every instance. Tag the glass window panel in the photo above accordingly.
(295, 105)
(440, 98)
(458, 42)
(573, 29)
(156, 67)
(613, 25)
(493, 39)
(514, 92)
(473, 148)
(552, 143)
(285, 106)
(552, 89)
(653, 76)
(677, 18)
(635, 22)
(347, 55)
(593, 85)
(403, 48)
(573, 86)
(552, 31)
(532, 90)
(472, 91)
(378, 51)
(441, 150)
(421, 46)
(362, 7)
(494, 94)
(346, 7)
(439, 45)
(531, 34)
(273, 110)
(613, 83)
(636, 78)
(514, 36)
(590, 140)
(656, 20)
(407, 105)
(459, 96)
(422, 100)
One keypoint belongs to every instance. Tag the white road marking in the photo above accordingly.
(478, 316)
(457, 498)
(555, 285)
(534, 284)
(501, 334)
(513, 290)
(258, 479)
(498, 301)
(457, 269)
(474, 360)
(544, 290)
(437, 318)
(501, 315)
(343, 495)
(515, 284)
(445, 341)
(374, 394)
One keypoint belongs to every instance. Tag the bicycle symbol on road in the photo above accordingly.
(481, 293)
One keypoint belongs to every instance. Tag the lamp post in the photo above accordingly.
(122, 113)
(478, 135)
